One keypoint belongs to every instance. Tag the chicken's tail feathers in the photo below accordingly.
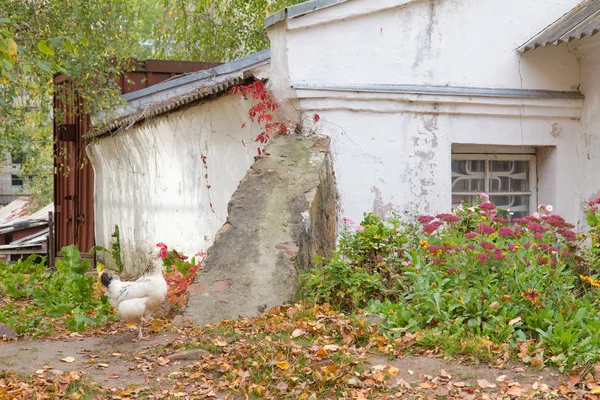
(106, 278)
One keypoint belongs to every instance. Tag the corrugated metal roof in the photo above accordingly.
(582, 20)
(299, 10)
(169, 95)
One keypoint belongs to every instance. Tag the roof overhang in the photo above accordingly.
(299, 9)
(175, 93)
(583, 20)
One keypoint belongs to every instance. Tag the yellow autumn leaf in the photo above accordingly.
(283, 364)
(393, 371)
(595, 390)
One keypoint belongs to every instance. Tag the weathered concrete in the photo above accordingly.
(285, 204)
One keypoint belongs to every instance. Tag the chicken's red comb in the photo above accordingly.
(161, 244)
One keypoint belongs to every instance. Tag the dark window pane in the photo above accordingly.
(509, 176)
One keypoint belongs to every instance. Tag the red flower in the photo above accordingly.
(432, 227)
(451, 271)
(487, 245)
(500, 219)
(535, 227)
(485, 229)
(424, 219)
(451, 218)
(504, 231)
(487, 206)
(483, 257)
(443, 216)
(470, 235)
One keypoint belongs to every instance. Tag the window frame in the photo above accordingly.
(17, 178)
(487, 157)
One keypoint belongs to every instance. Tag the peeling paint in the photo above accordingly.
(556, 130)
(382, 210)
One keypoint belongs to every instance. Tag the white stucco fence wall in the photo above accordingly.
(392, 149)
(150, 179)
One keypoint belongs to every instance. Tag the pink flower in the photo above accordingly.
(443, 216)
(360, 228)
(451, 218)
(567, 234)
(432, 227)
(487, 206)
(538, 236)
(504, 231)
(470, 235)
(483, 257)
(511, 246)
(484, 196)
(499, 219)
(535, 227)
(485, 229)
(519, 220)
(349, 221)
(451, 270)
(406, 263)
(433, 248)
(487, 245)
(527, 245)
(425, 219)
(498, 254)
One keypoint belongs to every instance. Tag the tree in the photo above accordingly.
(78, 38)
(214, 30)
(88, 40)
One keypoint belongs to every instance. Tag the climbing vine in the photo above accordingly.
(262, 112)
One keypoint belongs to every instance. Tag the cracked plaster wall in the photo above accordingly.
(150, 179)
(392, 153)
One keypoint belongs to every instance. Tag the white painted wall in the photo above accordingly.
(151, 182)
(392, 151)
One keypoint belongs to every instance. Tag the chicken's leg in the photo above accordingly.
(140, 336)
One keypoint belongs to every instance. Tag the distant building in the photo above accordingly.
(12, 184)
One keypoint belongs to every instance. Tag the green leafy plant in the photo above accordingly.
(37, 293)
(473, 273)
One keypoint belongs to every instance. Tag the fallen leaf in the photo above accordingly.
(298, 332)
(514, 321)
(40, 371)
(393, 371)
(282, 386)
(117, 354)
(113, 376)
(485, 384)
(444, 374)
(162, 361)
(331, 347)
(411, 372)
(196, 375)
(283, 364)
(67, 359)
(103, 365)
(501, 378)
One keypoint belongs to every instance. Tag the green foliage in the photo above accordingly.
(210, 30)
(36, 41)
(67, 291)
(472, 274)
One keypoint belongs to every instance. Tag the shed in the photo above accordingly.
(74, 177)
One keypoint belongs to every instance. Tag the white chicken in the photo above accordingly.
(136, 300)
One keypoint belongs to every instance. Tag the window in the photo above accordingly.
(16, 157)
(509, 179)
(16, 181)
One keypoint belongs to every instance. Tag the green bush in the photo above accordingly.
(470, 274)
(66, 291)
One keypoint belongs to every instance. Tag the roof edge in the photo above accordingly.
(299, 9)
(175, 93)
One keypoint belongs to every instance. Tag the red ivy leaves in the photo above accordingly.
(316, 118)
(261, 112)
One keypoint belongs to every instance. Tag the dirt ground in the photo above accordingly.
(112, 360)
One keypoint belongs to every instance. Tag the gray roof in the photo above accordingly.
(299, 9)
(582, 20)
(177, 92)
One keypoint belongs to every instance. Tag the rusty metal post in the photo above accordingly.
(51, 240)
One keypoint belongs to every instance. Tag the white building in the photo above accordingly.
(12, 184)
(429, 102)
